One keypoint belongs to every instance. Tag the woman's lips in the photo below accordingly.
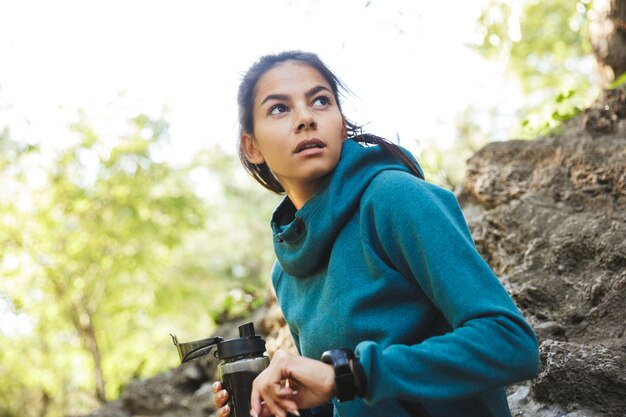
(309, 145)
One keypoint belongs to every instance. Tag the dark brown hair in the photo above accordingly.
(245, 100)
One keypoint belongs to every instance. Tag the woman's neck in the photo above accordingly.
(302, 193)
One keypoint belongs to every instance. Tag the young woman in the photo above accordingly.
(391, 307)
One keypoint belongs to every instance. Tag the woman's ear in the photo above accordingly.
(344, 128)
(251, 149)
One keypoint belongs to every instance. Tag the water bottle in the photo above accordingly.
(241, 360)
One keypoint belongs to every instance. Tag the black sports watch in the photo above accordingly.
(344, 380)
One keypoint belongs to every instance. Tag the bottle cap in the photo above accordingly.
(247, 344)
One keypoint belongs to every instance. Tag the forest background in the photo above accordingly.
(110, 240)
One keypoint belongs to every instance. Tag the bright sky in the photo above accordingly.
(405, 60)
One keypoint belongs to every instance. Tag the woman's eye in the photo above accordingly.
(321, 101)
(277, 108)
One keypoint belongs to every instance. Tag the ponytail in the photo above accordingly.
(355, 134)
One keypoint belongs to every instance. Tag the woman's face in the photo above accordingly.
(298, 127)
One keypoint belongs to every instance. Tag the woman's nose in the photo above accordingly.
(305, 121)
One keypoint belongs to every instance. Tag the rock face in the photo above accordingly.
(549, 216)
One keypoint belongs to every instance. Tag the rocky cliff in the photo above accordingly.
(549, 215)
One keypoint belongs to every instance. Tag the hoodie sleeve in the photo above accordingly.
(422, 232)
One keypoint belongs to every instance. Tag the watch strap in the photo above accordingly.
(344, 379)
(359, 373)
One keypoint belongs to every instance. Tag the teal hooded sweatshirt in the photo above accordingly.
(382, 262)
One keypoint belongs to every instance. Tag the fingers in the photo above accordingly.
(278, 400)
(289, 406)
(220, 399)
(263, 401)
(271, 390)
(216, 387)
(287, 392)
(266, 412)
(224, 411)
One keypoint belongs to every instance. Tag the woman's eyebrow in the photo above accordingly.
(313, 91)
(279, 97)
(283, 97)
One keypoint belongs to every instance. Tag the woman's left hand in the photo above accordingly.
(290, 383)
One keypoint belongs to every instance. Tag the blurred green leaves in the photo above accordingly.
(105, 249)
(546, 46)
(545, 43)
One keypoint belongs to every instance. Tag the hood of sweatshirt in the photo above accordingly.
(303, 238)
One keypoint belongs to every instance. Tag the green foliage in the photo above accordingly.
(545, 44)
(545, 47)
(238, 303)
(549, 117)
(105, 250)
(619, 82)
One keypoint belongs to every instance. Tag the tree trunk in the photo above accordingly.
(81, 318)
(89, 337)
(45, 403)
(607, 33)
